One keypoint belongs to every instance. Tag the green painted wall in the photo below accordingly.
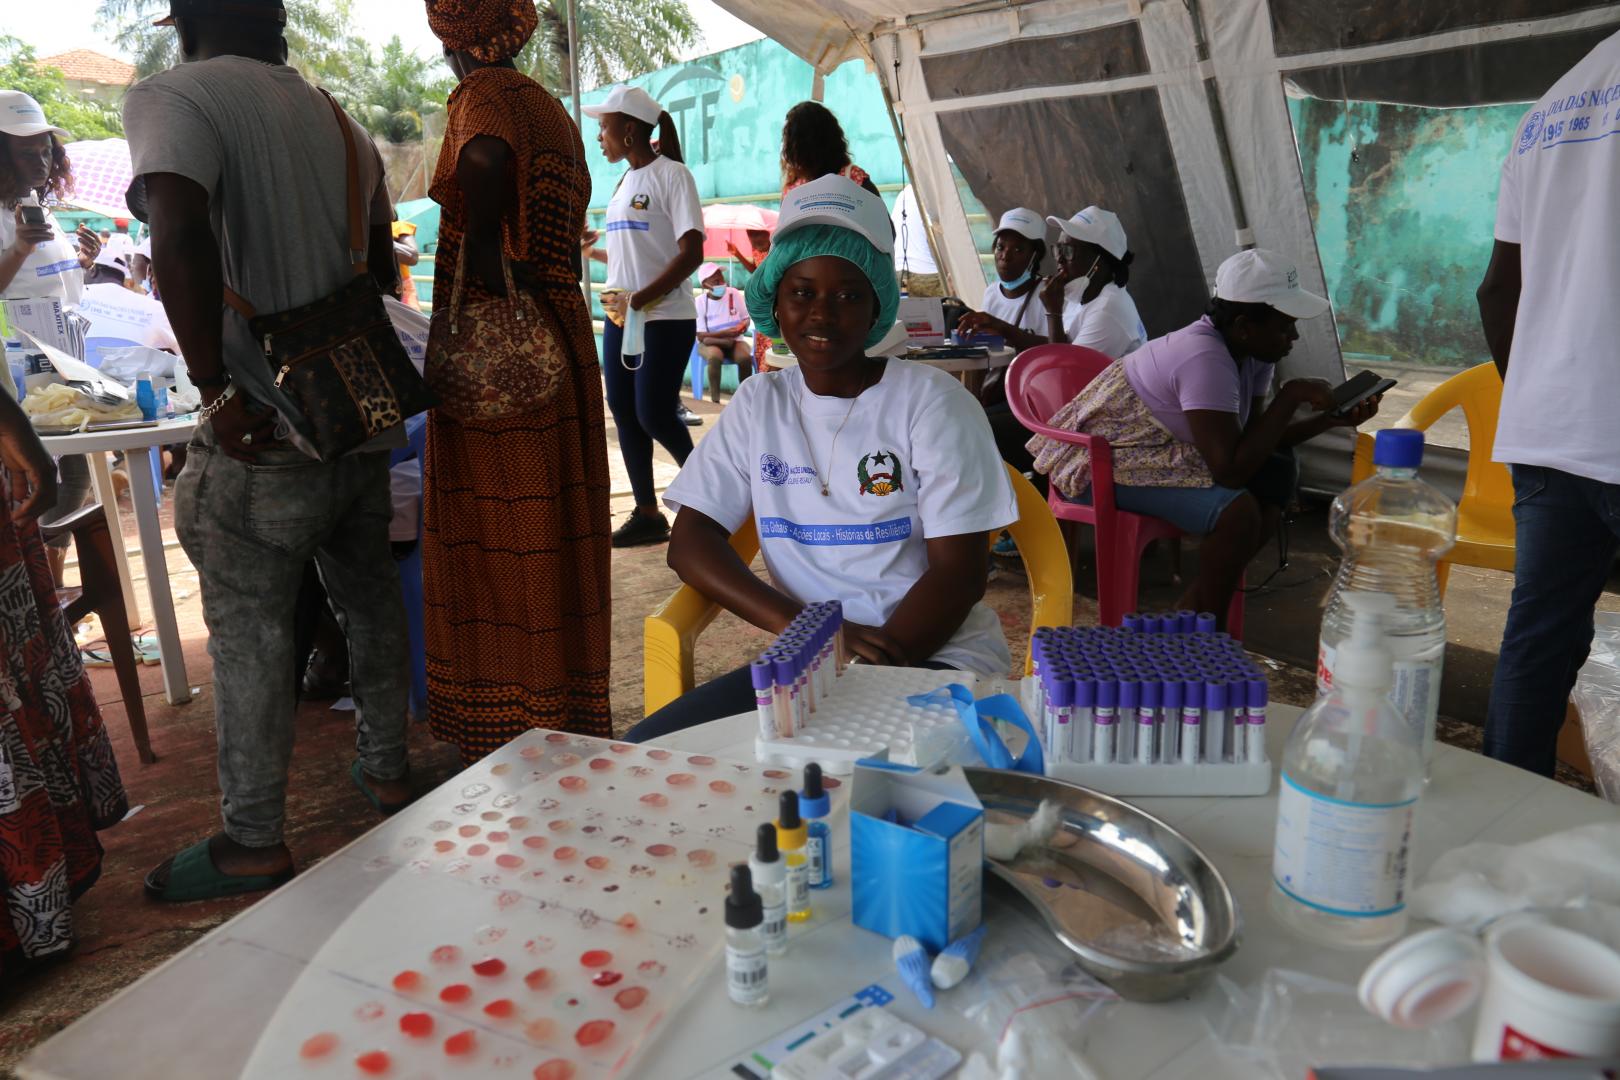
(1404, 204)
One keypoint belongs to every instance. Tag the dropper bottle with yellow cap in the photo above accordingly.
(791, 835)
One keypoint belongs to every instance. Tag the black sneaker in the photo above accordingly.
(688, 417)
(641, 529)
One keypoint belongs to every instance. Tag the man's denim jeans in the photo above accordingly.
(249, 530)
(1568, 532)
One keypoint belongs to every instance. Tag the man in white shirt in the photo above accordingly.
(1552, 330)
(913, 257)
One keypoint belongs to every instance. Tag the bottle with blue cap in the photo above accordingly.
(814, 805)
(1393, 529)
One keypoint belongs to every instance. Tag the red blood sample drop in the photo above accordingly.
(831, 782)
(537, 978)
(416, 1025)
(628, 922)
(564, 854)
(593, 1032)
(659, 755)
(500, 1008)
(620, 748)
(318, 1046)
(468, 830)
(455, 993)
(680, 779)
(490, 967)
(631, 997)
(775, 774)
(444, 845)
(555, 1069)
(595, 958)
(518, 823)
(491, 815)
(478, 849)
(446, 954)
(407, 980)
(601, 764)
(509, 862)
(700, 759)
(573, 783)
(462, 1042)
(497, 837)
(660, 851)
(722, 787)
(556, 736)
(655, 798)
(560, 825)
(606, 978)
(373, 1063)
(597, 862)
(532, 752)
(534, 843)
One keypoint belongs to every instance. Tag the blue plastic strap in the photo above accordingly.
(986, 740)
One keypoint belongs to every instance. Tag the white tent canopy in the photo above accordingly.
(1059, 103)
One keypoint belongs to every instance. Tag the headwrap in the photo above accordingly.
(810, 242)
(488, 30)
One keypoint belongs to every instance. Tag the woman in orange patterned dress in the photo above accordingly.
(515, 540)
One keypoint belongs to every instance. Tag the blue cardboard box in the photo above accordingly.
(916, 852)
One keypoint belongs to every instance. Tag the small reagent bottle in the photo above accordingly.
(791, 837)
(747, 974)
(770, 877)
(815, 805)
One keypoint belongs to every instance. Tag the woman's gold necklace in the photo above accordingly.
(865, 386)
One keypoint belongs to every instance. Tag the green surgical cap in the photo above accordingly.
(811, 242)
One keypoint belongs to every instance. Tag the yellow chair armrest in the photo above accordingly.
(1046, 560)
(1361, 465)
(669, 634)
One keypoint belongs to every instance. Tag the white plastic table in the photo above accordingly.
(96, 445)
(202, 1012)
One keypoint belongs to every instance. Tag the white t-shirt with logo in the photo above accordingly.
(727, 313)
(652, 209)
(51, 273)
(1108, 324)
(1561, 402)
(1024, 312)
(915, 461)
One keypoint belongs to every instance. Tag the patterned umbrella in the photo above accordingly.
(728, 223)
(101, 175)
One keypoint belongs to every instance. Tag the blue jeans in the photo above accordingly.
(1568, 533)
(645, 403)
(249, 530)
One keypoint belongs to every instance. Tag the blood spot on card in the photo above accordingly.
(500, 1009)
(490, 967)
(534, 843)
(722, 787)
(490, 815)
(594, 1032)
(775, 774)
(556, 737)
(555, 1069)
(455, 994)
(445, 954)
(655, 798)
(628, 922)
(416, 1025)
(680, 779)
(537, 978)
(460, 1044)
(601, 764)
(509, 862)
(573, 783)
(478, 849)
(564, 854)
(701, 857)
(540, 1030)
(560, 825)
(318, 1046)
(374, 1062)
(517, 824)
(660, 851)
(652, 969)
(469, 830)
(595, 958)
(597, 862)
(444, 846)
(606, 978)
(631, 997)
(407, 981)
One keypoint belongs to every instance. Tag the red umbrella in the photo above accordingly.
(729, 223)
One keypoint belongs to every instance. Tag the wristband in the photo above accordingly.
(220, 380)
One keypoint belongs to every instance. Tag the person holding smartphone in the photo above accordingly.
(1195, 440)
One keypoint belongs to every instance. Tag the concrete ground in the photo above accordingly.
(120, 935)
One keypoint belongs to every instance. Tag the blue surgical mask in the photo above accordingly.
(1019, 281)
(717, 291)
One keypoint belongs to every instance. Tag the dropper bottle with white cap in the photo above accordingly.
(1351, 777)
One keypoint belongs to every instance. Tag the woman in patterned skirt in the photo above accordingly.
(58, 780)
(515, 544)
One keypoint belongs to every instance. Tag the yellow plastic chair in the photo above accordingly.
(671, 632)
(1485, 514)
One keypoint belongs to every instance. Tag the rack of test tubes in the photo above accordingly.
(1162, 705)
(813, 706)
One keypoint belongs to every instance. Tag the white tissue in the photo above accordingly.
(1003, 842)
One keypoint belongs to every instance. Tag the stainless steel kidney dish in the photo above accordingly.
(1141, 908)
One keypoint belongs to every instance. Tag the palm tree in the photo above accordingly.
(617, 39)
(315, 33)
(391, 94)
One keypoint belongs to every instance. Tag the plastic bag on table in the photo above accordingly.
(129, 364)
(184, 395)
(1292, 1022)
(1597, 699)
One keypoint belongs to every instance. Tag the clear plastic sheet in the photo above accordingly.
(1597, 698)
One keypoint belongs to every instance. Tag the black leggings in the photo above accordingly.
(645, 403)
(716, 699)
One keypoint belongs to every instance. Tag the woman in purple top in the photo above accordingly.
(1194, 439)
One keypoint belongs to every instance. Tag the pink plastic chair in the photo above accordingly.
(1040, 382)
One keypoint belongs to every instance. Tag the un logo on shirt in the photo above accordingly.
(773, 470)
(1531, 133)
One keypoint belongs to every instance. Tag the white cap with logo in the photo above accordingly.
(629, 100)
(20, 115)
(1023, 221)
(833, 200)
(109, 257)
(1095, 225)
(1267, 277)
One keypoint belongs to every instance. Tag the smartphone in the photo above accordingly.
(1352, 392)
(33, 215)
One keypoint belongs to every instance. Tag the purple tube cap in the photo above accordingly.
(1130, 693)
(762, 672)
(1259, 693)
(1215, 695)
(1170, 693)
(1062, 693)
(1107, 693)
(1192, 693)
(1150, 694)
(1085, 692)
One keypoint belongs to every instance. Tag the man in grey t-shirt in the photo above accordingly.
(240, 171)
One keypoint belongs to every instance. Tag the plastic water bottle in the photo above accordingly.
(17, 365)
(1393, 529)
(1351, 777)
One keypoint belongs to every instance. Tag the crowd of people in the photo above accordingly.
(872, 480)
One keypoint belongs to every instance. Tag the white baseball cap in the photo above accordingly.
(1097, 226)
(104, 257)
(707, 271)
(20, 115)
(833, 200)
(1023, 221)
(1267, 277)
(630, 100)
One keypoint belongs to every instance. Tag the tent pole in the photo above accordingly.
(905, 163)
(1217, 114)
(579, 123)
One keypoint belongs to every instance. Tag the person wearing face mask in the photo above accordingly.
(1011, 305)
(722, 323)
(1195, 441)
(1085, 301)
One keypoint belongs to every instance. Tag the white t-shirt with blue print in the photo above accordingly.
(915, 461)
(653, 207)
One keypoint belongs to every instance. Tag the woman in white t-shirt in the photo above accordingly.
(1085, 301)
(722, 327)
(872, 482)
(654, 243)
(1012, 304)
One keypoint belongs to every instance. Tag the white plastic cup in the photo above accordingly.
(1549, 993)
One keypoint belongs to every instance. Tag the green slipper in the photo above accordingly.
(358, 775)
(192, 875)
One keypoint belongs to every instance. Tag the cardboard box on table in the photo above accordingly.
(922, 874)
